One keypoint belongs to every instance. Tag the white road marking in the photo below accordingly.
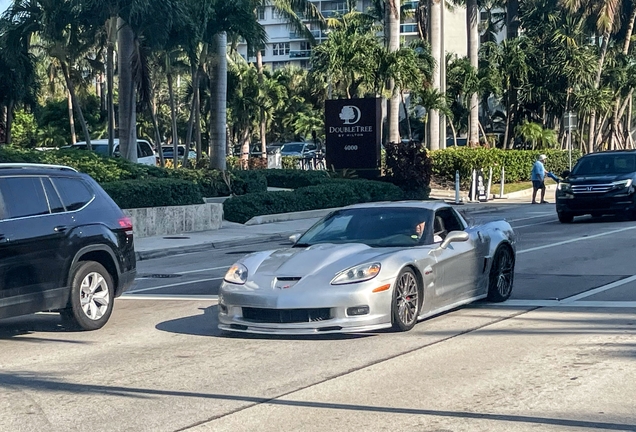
(211, 298)
(557, 303)
(541, 215)
(600, 289)
(578, 239)
(174, 285)
(535, 224)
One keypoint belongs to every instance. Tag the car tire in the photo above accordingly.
(406, 301)
(502, 274)
(565, 217)
(91, 298)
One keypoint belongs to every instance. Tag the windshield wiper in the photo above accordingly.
(301, 245)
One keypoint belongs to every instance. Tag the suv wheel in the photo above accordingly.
(565, 217)
(91, 301)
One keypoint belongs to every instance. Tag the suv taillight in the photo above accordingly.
(127, 224)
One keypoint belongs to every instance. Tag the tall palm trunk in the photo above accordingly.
(193, 107)
(218, 103)
(472, 21)
(71, 119)
(155, 125)
(76, 104)
(8, 132)
(597, 82)
(127, 97)
(262, 118)
(173, 116)
(435, 12)
(392, 29)
(197, 119)
(111, 25)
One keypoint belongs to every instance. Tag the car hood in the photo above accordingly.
(597, 179)
(328, 257)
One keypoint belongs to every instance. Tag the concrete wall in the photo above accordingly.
(161, 221)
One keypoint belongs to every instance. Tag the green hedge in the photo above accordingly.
(157, 192)
(337, 193)
(294, 179)
(107, 170)
(517, 163)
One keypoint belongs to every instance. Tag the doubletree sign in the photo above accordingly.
(353, 134)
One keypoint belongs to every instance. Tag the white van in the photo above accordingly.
(145, 153)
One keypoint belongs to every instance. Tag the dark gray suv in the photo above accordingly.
(600, 183)
(64, 245)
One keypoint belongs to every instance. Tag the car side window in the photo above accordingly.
(74, 192)
(144, 149)
(445, 222)
(23, 197)
(55, 202)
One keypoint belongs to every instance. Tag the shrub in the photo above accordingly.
(157, 192)
(294, 179)
(517, 163)
(337, 193)
(244, 182)
(409, 167)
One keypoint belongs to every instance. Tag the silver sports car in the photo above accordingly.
(368, 267)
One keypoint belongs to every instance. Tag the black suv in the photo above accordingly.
(600, 183)
(65, 246)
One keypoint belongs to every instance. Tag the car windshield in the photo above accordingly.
(101, 149)
(606, 164)
(292, 148)
(170, 151)
(375, 227)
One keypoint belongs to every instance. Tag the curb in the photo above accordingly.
(181, 250)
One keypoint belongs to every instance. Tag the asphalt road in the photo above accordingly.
(534, 363)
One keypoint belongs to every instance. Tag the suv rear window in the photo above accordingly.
(606, 164)
(23, 197)
(73, 191)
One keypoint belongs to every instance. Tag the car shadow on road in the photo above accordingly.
(21, 328)
(206, 324)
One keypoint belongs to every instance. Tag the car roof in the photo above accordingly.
(612, 152)
(428, 205)
(105, 141)
(37, 169)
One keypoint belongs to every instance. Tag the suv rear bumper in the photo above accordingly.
(126, 280)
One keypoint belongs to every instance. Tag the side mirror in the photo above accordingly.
(454, 236)
(565, 174)
(294, 238)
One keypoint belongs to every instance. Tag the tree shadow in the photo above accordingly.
(206, 324)
(23, 381)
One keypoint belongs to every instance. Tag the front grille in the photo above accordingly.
(285, 316)
(592, 189)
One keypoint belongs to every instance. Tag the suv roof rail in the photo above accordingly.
(35, 165)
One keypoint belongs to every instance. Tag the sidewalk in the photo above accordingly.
(278, 227)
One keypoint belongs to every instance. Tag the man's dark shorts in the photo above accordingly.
(538, 184)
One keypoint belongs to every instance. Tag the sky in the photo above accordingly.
(4, 4)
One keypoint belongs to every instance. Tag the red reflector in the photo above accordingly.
(125, 222)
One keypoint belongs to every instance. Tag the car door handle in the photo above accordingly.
(60, 228)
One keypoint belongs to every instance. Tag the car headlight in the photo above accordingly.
(237, 274)
(623, 183)
(355, 274)
(565, 187)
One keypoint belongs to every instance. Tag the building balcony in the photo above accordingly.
(408, 28)
(315, 33)
(333, 12)
(298, 54)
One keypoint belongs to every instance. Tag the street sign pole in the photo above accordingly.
(570, 119)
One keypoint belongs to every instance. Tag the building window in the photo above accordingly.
(305, 46)
(260, 12)
(276, 14)
(279, 49)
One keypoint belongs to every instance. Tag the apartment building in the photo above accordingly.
(285, 47)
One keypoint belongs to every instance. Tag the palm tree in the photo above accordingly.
(392, 37)
(436, 34)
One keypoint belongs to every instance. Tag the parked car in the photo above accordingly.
(299, 149)
(168, 152)
(145, 153)
(600, 183)
(64, 245)
(367, 267)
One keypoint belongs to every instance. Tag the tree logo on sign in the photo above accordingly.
(350, 114)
